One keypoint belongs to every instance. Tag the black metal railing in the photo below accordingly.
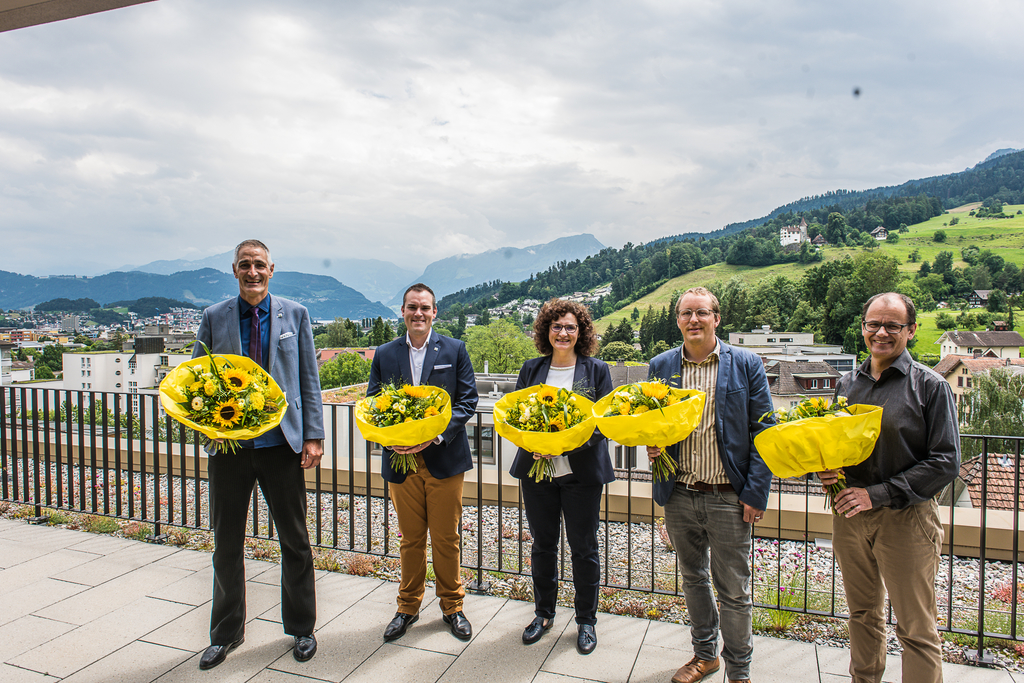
(116, 455)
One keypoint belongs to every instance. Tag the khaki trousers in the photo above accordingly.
(424, 504)
(896, 550)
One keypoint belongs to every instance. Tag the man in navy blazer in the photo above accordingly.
(721, 488)
(277, 334)
(429, 499)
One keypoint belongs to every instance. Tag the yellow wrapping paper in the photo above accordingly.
(814, 444)
(546, 443)
(660, 428)
(407, 433)
(173, 398)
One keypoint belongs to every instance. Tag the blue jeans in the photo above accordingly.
(712, 543)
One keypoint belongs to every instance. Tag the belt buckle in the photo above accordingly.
(690, 487)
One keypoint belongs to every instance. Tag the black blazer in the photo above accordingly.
(446, 365)
(590, 462)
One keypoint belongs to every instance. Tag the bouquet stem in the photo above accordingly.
(221, 445)
(832, 490)
(403, 462)
(664, 467)
(542, 470)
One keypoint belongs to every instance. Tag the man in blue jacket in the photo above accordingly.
(429, 499)
(721, 488)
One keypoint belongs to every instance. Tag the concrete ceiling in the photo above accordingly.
(22, 13)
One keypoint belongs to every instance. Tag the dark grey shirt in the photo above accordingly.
(918, 451)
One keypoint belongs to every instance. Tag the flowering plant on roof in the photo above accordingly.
(224, 397)
(546, 420)
(817, 435)
(404, 415)
(650, 414)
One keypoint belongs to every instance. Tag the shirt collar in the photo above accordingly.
(244, 306)
(408, 342)
(902, 363)
(716, 353)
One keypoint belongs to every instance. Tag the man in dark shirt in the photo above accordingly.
(887, 534)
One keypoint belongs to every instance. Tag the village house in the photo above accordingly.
(960, 370)
(994, 344)
(880, 233)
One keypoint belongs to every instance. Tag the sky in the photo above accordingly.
(409, 132)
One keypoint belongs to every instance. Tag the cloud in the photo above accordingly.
(410, 132)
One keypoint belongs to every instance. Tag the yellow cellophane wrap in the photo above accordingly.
(545, 443)
(171, 396)
(407, 433)
(814, 444)
(660, 428)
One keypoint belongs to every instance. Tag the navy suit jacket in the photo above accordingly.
(291, 361)
(446, 365)
(590, 462)
(741, 397)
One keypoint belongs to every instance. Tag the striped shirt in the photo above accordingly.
(698, 453)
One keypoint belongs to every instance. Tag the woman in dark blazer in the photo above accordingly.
(564, 334)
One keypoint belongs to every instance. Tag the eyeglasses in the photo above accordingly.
(891, 328)
(701, 313)
(569, 329)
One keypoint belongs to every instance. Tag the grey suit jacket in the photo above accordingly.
(292, 360)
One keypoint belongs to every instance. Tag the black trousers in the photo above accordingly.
(546, 503)
(280, 477)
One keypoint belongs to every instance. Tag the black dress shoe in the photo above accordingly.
(215, 654)
(459, 625)
(535, 630)
(396, 629)
(586, 641)
(305, 648)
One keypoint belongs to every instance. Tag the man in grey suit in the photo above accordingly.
(276, 333)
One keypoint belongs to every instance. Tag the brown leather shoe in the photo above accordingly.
(741, 680)
(696, 669)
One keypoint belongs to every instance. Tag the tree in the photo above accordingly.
(381, 333)
(997, 301)
(484, 317)
(994, 405)
(43, 372)
(344, 370)
(944, 321)
(939, 236)
(501, 344)
(892, 238)
(635, 315)
(623, 332)
(835, 228)
(618, 350)
(660, 346)
(943, 263)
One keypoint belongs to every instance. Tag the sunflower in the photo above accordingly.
(556, 424)
(236, 379)
(547, 395)
(430, 411)
(655, 390)
(228, 413)
(422, 391)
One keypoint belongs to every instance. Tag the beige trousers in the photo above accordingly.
(424, 504)
(896, 550)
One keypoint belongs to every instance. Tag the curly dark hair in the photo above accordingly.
(586, 342)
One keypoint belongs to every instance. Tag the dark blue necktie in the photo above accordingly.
(255, 342)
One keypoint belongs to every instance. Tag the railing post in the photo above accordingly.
(480, 586)
(978, 656)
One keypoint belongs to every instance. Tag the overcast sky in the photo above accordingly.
(411, 132)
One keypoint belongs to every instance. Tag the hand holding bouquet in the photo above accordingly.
(817, 435)
(650, 414)
(404, 416)
(544, 419)
(224, 397)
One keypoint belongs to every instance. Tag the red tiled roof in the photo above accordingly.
(1001, 469)
(949, 363)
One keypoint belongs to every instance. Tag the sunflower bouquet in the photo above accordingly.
(404, 415)
(224, 397)
(650, 414)
(544, 419)
(817, 434)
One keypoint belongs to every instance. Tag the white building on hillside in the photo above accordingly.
(110, 371)
(793, 234)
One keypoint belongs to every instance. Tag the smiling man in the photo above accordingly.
(887, 535)
(276, 333)
(721, 488)
(429, 499)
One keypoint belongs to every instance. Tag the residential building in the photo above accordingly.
(790, 382)
(978, 298)
(70, 324)
(797, 347)
(22, 371)
(819, 241)
(880, 233)
(1001, 344)
(325, 355)
(959, 371)
(5, 362)
(110, 371)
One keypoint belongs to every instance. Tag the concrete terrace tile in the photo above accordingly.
(960, 673)
(101, 544)
(497, 652)
(431, 633)
(618, 644)
(21, 635)
(42, 536)
(263, 644)
(656, 664)
(42, 566)
(835, 660)
(193, 589)
(190, 631)
(12, 674)
(136, 661)
(334, 594)
(416, 666)
(79, 648)
(108, 597)
(387, 594)
(545, 677)
(115, 564)
(16, 553)
(193, 560)
(35, 596)
(782, 661)
(272, 676)
(342, 644)
(671, 636)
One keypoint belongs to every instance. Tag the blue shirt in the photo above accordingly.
(275, 437)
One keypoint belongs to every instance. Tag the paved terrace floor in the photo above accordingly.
(79, 607)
